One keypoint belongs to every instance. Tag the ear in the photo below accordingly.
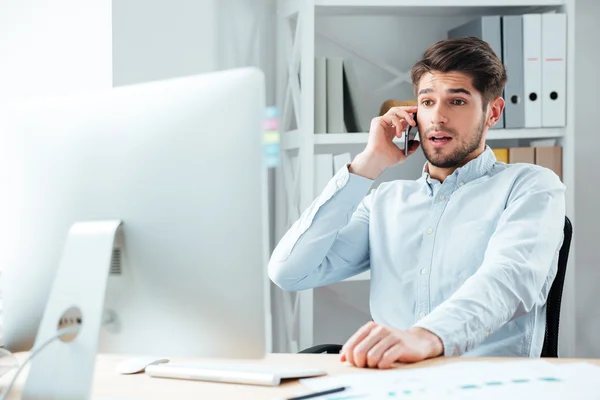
(495, 109)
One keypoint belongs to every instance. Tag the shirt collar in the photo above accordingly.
(472, 170)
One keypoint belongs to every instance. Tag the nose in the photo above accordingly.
(438, 115)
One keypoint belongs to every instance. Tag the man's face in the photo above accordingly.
(451, 119)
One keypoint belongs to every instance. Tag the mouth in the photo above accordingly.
(439, 138)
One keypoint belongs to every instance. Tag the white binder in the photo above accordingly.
(335, 95)
(532, 73)
(512, 53)
(554, 69)
(320, 94)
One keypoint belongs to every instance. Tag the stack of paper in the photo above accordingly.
(528, 379)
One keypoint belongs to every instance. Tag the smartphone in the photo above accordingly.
(409, 134)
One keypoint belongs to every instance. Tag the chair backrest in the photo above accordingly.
(550, 348)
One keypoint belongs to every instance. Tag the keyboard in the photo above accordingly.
(242, 373)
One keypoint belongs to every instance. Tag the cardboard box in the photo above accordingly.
(550, 157)
(521, 155)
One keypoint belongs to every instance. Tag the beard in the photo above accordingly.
(458, 155)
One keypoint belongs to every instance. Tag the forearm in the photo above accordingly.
(309, 254)
(367, 166)
(477, 309)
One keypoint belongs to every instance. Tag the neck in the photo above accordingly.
(441, 174)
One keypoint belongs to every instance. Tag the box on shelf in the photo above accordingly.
(545, 156)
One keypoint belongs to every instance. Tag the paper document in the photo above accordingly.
(535, 379)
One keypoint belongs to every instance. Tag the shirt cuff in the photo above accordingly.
(350, 188)
(451, 347)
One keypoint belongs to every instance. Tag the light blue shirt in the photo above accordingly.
(471, 259)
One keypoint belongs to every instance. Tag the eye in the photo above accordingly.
(427, 102)
(458, 102)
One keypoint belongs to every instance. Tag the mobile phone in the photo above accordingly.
(409, 134)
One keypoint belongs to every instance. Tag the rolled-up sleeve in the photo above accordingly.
(517, 271)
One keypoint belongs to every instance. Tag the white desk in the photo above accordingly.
(108, 385)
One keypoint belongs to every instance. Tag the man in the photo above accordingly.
(461, 259)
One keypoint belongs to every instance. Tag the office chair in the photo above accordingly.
(550, 346)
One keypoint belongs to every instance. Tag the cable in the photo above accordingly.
(35, 352)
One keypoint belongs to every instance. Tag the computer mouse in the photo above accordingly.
(138, 364)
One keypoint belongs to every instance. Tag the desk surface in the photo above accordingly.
(108, 385)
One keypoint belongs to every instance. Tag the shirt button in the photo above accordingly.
(339, 183)
(442, 197)
(429, 231)
(421, 315)
(424, 271)
(487, 333)
(461, 184)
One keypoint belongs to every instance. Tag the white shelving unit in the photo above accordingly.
(292, 139)
(307, 28)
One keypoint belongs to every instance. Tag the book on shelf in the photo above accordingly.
(337, 98)
(320, 94)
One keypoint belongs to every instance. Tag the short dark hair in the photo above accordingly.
(469, 55)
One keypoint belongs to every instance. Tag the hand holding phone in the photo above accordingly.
(381, 152)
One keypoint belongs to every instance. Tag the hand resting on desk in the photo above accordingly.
(377, 346)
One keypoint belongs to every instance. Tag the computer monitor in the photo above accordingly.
(179, 163)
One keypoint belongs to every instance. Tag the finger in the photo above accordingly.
(343, 357)
(362, 349)
(358, 336)
(391, 355)
(410, 117)
(375, 355)
(397, 110)
(394, 120)
(398, 124)
(403, 114)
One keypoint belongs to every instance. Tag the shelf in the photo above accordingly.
(525, 133)
(344, 138)
(494, 134)
(292, 140)
(433, 7)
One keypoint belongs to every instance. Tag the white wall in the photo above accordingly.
(54, 47)
(158, 39)
(57, 47)
(587, 224)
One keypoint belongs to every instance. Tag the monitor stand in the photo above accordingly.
(65, 368)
